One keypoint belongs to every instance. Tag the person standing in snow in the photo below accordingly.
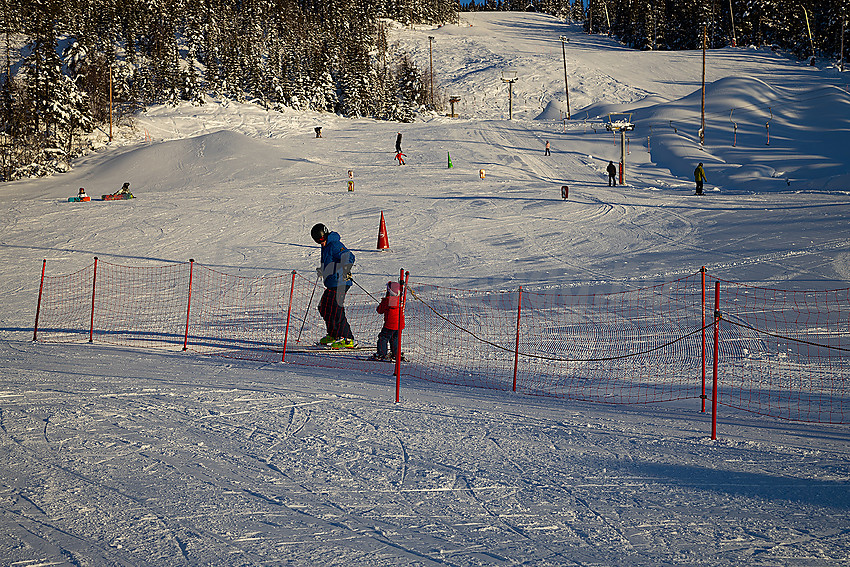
(547, 152)
(400, 157)
(699, 177)
(612, 174)
(398, 143)
(389, 308)
(335, 270)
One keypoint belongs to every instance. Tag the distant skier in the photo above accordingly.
(335, 270)
(82, 194)
(125, 190)
(547, 152)
(400, 157)
(612, 174)
(318, 130)
(699, 177)
(389, 308)
(398, 143)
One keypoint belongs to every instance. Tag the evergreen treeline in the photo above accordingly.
(67, 62)
(66, 59)
(679, 24)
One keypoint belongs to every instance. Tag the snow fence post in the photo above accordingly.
(38, 305)
(402, 279)
(93, 283)
(188, 304)
(716, 356)
(702, 397)
(516, 347)
(288, 314)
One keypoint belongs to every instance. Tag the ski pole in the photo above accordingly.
(309, 303)
(364, 289)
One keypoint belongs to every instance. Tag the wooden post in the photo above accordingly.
(110, 102)
(732, 18)
(431, 56)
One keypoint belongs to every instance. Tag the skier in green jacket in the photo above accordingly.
(699, 177)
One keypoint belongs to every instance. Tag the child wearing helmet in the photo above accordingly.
(393, 322)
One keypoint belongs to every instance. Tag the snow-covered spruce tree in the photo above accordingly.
(41, 80)
(411, 91)
(69, 115)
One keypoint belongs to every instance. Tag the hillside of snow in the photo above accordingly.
(118, 456)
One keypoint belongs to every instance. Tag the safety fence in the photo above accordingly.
(779, 353)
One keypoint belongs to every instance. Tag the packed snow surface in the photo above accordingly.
(115, 456)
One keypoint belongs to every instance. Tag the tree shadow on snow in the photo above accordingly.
(759, 486)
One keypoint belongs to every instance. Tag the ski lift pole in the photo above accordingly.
(564, 39)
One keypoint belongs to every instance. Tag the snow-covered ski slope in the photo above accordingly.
(125, 457)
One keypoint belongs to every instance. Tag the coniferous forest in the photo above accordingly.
(66, 63)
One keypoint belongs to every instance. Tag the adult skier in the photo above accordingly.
(699, 177)
(612, 174)
(398, 143)
(335, 271)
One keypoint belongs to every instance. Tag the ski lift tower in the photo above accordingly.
(622, 123)
(510, 78)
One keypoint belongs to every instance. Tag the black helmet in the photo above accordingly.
(319, 232)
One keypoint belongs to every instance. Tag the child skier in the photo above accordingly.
(400, 157)
(388, 337)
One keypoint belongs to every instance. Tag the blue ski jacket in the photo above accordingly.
(336, 261)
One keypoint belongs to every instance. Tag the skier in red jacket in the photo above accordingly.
(389, 308)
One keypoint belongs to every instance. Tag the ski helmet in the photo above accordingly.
(319, 232)
(393, 288)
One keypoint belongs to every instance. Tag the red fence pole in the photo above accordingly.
(288, 314)
(402, 279)
(716, 357)
(188, 304)
(516, 348)
(38, 306)
(93, 283)
(702, 397)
